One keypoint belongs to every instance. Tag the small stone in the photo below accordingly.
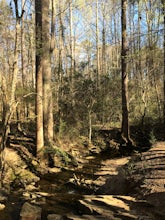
(35, 163)
(31, 212)
(30, 187)
(2, 206)
(43, 194)
(26, 194)
(54, 170)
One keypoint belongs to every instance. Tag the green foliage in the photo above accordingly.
(152, 137)
(53, 150)
(62, 128)
(101, 104)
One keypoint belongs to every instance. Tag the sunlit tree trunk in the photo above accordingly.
(104, 70)
(39, 81)
(71, 40)
(125, 122)
(163, 5)
(23, 54)
(33, 52)
(97, 45)
(72, 58)
(46, 39)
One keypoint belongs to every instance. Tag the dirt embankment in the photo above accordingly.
(121, 188)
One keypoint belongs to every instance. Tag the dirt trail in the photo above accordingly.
(101, 188)
(129, 188)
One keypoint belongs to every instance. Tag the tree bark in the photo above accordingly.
(97, 44)
(48, 106)
(125, 122)
(163, 5)
(39, 80)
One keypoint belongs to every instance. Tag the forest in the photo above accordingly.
(78, 78)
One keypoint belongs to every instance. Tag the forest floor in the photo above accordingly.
(97, 187)
(130, 187)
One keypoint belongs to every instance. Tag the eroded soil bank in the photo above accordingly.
(98, 187)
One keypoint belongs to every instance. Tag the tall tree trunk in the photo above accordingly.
(39, 80)
(125, 122)
(71, 41)
(22, 108)
(97, 44)
(72, 65)
(103, 63)
(33, 52)
(163, 5)
(48, 106)
(23, 51)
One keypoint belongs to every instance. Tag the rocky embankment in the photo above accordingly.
(98, 188)
(128, 188)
